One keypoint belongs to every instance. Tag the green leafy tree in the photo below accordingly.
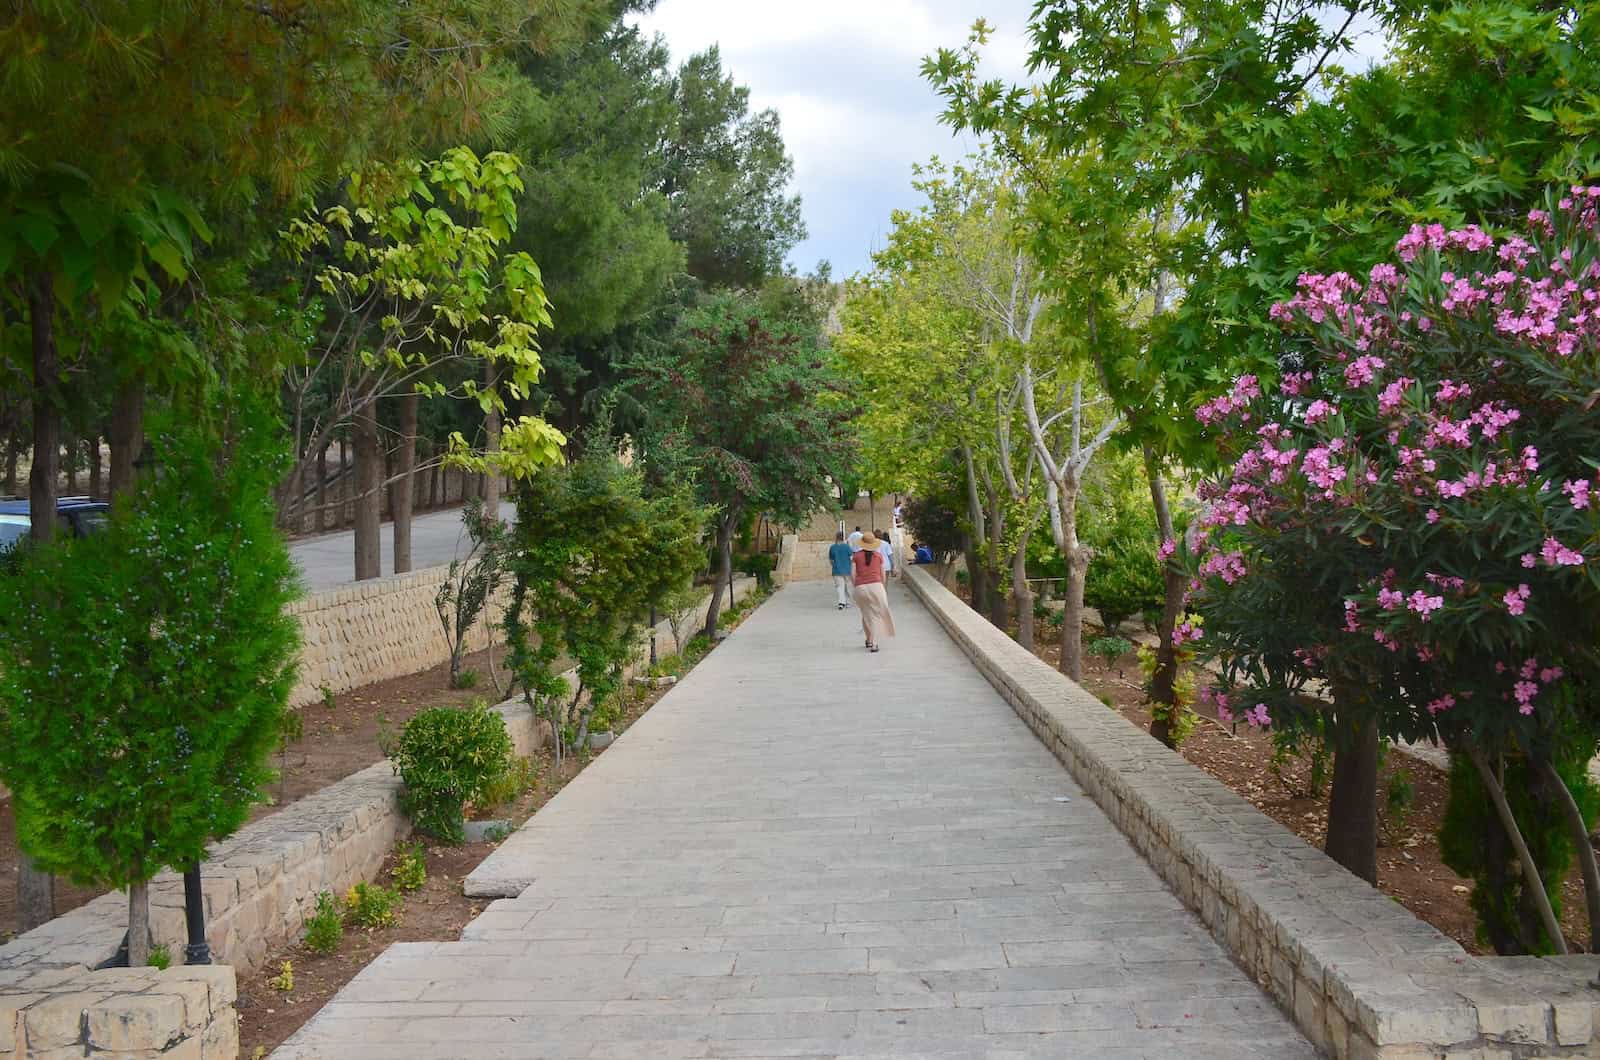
(725, 175)
(592, 553)
(408, 288)
(756, 416)
(120, 770)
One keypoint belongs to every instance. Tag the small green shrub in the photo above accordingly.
(291, 727)
(328, 699)
(1399, 796)
(1109, 649)
(449, 757)
(466, 679)
(160, 957)
(410, 869)
(325, 927)
(518, 779)
(759, 565)
(667, 666)
(372, 906)
(1124, 580)
(497, 833)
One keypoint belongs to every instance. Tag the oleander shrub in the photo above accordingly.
(448, 757)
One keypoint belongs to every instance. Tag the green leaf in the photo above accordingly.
(39, 231)
(170, 258)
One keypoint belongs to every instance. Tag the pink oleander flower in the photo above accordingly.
(1555, 554)
(1258, 716)
(1352, 624)
(1551, 674)
(1320, 410)
(1442, 704)
(1432, 515)
(1168, 547)
(1528, 560)
(1578, 490)
(1524, 692)
(1516, 600)
(1423, 604)
(1362, 371)
(1391, 599)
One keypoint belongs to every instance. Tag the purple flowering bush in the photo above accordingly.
(1408, 541)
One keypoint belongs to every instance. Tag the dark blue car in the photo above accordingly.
(78, 516)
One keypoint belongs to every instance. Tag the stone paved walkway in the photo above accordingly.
(808, 851)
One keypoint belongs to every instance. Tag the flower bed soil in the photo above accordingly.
(336, 741)
(436, 913)
(1409, 866)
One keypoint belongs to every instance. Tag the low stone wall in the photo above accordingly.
(121, 1014)
(356, 634)
(1359, 974)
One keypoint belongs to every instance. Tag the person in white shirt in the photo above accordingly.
(854, 540)
(885, 550)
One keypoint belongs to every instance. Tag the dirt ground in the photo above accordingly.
(436, 913)
(1409, 866)
(336, 742)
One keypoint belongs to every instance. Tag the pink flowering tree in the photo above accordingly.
(1408, 542)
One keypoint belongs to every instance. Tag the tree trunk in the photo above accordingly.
(1578, 832)
(13, 451)
(322, 489)
(1532, 885)
(36, 889)
(96, 483)
(1353, 798)
(139, 925)
(369, 493)
(344, 481)
(1163, 679)
(999, 602)
(405, 485)
(1077, 562)
(725, 529)
(434, 477)
(491, 444)
(1021, 595)
(127, 433)
(975, 584)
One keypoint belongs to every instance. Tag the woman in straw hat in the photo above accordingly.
(869, 594)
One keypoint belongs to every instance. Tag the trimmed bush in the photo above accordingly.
(449, 757)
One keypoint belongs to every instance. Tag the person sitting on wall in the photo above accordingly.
(921, 553)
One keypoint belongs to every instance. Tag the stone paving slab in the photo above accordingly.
(805, 850)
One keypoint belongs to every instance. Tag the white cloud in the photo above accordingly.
(844, 77)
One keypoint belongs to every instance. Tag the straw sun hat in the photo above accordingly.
(869, 542)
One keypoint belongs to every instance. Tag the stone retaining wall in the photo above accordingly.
(362, 632)
(1360, 975)
(121, 1014)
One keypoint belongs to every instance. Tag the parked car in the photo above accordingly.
(78, 516)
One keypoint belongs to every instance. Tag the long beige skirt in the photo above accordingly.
(873, 603)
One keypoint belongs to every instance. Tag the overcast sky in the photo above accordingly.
(843, 76)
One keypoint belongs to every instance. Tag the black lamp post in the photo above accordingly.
(198, 951)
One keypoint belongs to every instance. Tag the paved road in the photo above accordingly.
(330, 559)
(808, 851)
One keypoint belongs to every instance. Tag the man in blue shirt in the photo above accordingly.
(839, 562)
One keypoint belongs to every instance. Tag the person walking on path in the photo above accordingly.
(854, 540)
(886, 550)
(872, 599)
(839, 562)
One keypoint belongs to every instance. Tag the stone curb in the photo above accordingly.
(1360, 975)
